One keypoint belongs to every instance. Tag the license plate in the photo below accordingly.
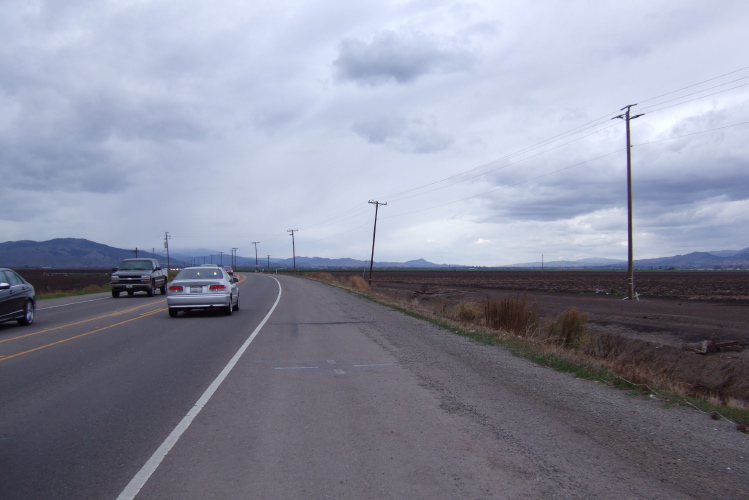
(196, 289)
(128, 286)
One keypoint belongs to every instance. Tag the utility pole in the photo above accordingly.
(166, 245)
(234, 258)
(221, 256)
(136, 252)
(255, 243)
(293, 246)
(268, 268)
(374, 234)
(630, 253)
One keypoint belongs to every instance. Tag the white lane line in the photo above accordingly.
(71, 304)
(379, 364)
(135, 484)
(336, 370)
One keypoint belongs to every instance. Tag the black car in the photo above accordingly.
(17, 298)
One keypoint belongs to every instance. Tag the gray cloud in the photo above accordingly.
(293, 106)
(414, 134)
(398, 57)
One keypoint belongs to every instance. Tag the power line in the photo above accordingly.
(510, 164)
(477, 171)
(506, 186)
(704, 90)
(694, 85)
(551, 140)
(691, 100)
(688, 135)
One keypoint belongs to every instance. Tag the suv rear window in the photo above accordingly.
(136, 265)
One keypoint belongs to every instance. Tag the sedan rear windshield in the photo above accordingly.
(204, 273)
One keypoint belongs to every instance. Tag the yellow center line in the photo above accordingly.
(82, 334)
(117, 313)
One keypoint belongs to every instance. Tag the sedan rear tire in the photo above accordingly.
(28, 314)
(173, 312)
(228, 309)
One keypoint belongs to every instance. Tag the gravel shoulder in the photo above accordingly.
(341, 397)
(565, 437)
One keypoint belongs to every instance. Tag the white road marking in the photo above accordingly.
(296, 367)
(71, 304)
(337, 371)
(140, 479)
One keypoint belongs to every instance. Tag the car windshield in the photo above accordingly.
(136, 265)
(200, 274)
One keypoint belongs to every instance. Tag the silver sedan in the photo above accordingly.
(202, 288)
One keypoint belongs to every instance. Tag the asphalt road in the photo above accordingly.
(332, 397)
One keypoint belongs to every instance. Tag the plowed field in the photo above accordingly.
(47, 281)
(685, 285)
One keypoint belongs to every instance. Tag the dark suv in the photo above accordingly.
(17, 298)
(138, 275)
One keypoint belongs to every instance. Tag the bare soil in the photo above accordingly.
(48, 281)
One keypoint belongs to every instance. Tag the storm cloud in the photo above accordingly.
(487, 127)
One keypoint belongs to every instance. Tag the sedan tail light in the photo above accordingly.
(217, 287)
(176, 288)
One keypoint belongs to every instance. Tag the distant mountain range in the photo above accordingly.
(722, 259)
(81, 253)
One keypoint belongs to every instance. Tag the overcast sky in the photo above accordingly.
(484, 125)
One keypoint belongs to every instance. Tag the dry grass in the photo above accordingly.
(53, 294)
(354, 282)
(569, 329)
(512, 315)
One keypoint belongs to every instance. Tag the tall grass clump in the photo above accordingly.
(569, 329)
(468, 312)
(358, 283)
(512, 315)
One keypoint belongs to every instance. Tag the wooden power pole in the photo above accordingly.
(630, 252)
(374, 234)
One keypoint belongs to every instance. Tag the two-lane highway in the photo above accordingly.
(312, 392)
(90, 390)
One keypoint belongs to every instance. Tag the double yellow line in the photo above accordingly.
(111, 315)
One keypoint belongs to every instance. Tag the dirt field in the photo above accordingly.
(47, 281)
(687, 285)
